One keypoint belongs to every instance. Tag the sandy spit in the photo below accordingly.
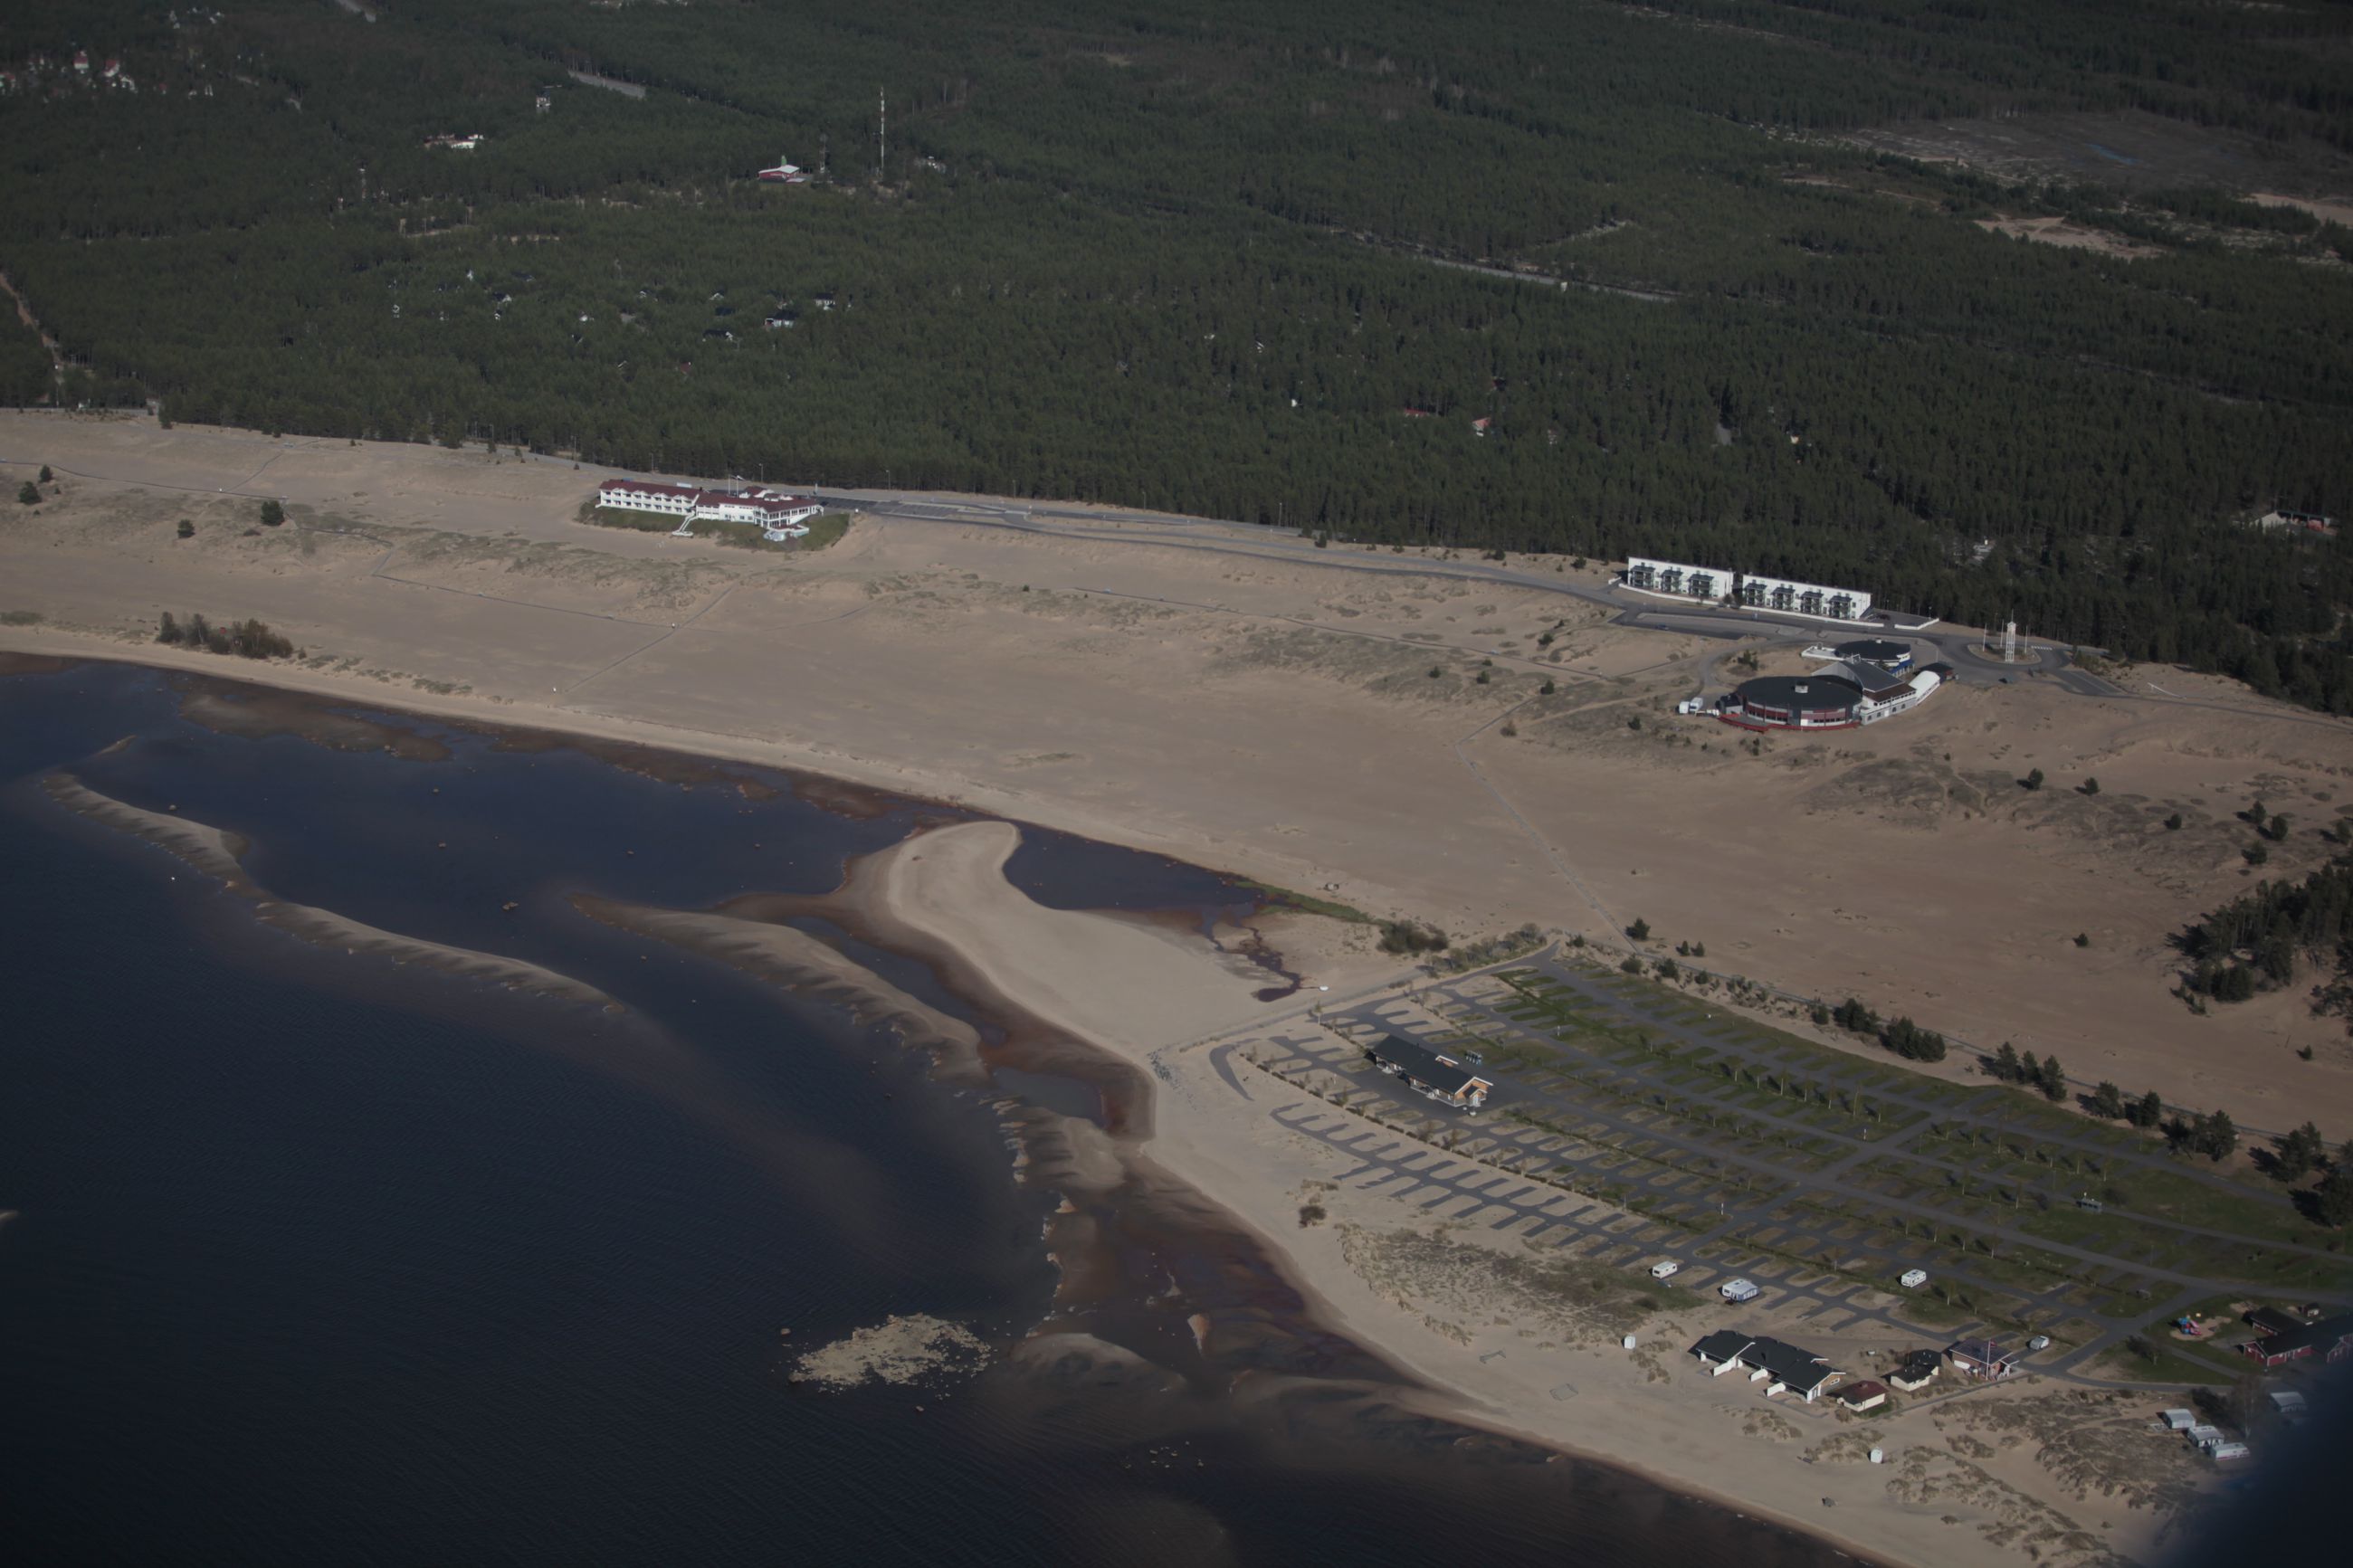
(217, 853)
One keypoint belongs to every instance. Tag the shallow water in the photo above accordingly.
(325, 1258)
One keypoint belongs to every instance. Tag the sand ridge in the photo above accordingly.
(216, 853)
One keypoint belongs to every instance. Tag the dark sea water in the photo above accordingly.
(321, 1259)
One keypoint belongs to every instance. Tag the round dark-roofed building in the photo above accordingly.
(1884, 652)
(1794, 702)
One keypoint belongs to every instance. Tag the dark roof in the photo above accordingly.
(2273, 1321)
(1798, 1368)
(1811, 693)
(1424, 1066)
(1917, 1362)
(1878, 651)
(2321, 1336)
(1721, 1345)
(1985, 1351)
(1870, 677)
(1869, 1388)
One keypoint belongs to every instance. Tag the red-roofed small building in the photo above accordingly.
(81, 61)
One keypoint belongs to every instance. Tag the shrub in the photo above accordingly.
(187, 530)
(2083, 939)
(2108, 1100)
(2173, 823)
(2214, 1136)
(2256, 854)
(1409, 936)
(1547, 690)
(2230, 983)
(1639, 931)
(247, 639)
(1633, 965)
(1665, 969)
(2146, 1111)
(28, 493)
(47, 478)
(1434, 671)
(1854, 1016)
(2332, 1201)
(1913, 1043)
(2032, 779)
(272, 514)
(2297, 1153)
(1486, 677)
(2053, 1082)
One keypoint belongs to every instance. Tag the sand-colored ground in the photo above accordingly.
(1275, 717)
(2069, 235)
(2338, 211)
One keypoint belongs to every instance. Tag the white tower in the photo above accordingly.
(2010, 643)
(881, 132)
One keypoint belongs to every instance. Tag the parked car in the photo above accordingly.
(1739, 1291)
(1912, 1278)
(1665, 1269)
(2039, 1343)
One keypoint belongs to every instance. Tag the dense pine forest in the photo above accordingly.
(1269, 262)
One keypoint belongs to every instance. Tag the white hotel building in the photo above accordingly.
(1707, 585)
(777, 515)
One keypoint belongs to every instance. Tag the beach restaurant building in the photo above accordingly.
(1439, 1078)
(777, 515)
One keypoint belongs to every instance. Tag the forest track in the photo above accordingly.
(1409, 251)
(25, 314)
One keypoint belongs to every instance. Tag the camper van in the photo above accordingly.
(1739, 1291)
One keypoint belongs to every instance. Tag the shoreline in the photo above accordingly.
(817, 763)
(942, 895)
(1153, 1000)
(1510, 758)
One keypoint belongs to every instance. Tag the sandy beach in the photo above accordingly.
(1277, 718)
